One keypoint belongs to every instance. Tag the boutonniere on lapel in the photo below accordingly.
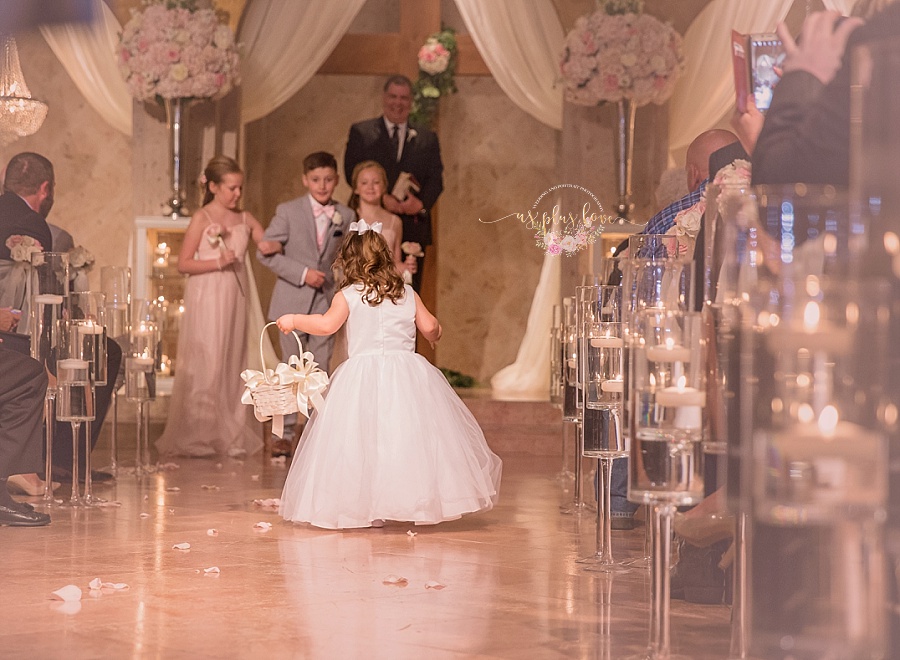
(410, 134)
(336, 221)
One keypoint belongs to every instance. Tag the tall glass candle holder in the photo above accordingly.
(653, 246)
(556, 370)
(75, 405)
(666, 468)
(649, 284)
(734, 260)
(46, 314)
(86, 340)
(586, 302)
(603, 385)
(86, 315)
(873, 148)
(50, 272)
(140, 386)
(570, 363)
(819, 416)
(115, 283)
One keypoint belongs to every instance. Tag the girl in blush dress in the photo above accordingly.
(206, 416)
(369, 186)
(393, 440)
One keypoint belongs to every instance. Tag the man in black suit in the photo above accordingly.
(399, 147)
(26, 201)
(23, 382)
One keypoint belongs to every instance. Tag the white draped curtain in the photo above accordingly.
(705, 93)
(88, 54)
(284, 44)
(843, 6)
(520, 41)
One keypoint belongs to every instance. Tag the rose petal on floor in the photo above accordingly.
(68, 594)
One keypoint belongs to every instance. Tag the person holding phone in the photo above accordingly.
(804, 137)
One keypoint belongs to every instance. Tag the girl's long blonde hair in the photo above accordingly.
(366, 259)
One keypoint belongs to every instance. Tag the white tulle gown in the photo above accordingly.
(393, 440)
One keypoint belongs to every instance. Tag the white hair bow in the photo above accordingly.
(362, 227)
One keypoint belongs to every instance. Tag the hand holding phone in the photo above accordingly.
(820, 47)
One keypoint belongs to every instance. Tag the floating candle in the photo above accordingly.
(48, 299)
(607, 342)
(667, 353)
(613, 385)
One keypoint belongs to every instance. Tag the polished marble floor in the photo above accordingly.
(512, 588)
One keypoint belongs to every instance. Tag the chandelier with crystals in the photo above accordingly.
(20, 115)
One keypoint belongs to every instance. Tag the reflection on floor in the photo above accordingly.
(512, 588)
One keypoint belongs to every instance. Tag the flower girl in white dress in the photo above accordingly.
(393, 440)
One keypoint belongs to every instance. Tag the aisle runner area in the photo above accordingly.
(503, 584)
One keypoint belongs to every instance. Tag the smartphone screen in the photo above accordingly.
(766, 59)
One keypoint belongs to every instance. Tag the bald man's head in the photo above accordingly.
(701, 149)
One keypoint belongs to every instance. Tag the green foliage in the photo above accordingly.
(457, 379)
(613, 7)
(436, 76)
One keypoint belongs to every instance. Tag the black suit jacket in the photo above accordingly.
(806, 134)
(369, 140)
(16, 217)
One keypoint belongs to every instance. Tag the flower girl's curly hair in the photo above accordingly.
(366, 259)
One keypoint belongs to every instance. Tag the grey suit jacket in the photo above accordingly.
(295, 228)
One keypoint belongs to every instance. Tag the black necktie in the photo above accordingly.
(395, 140)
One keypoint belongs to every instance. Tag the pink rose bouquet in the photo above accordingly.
(619, 53)
(172, 49)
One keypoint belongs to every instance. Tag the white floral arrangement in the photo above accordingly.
(687, 222)
(22, 247)
(81, 259)
(618, 53)
(734, 174)
(434, 57)
(172, 49)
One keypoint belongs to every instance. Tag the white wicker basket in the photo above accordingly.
(271, 399)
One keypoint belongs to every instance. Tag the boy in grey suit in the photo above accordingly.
(311, 229)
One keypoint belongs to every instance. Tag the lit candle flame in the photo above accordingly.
(828, 420)
(682, 381)
(805, 413)
(670, 343)
(811, 316)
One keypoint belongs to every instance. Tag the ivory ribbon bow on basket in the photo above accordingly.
(299, 384)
